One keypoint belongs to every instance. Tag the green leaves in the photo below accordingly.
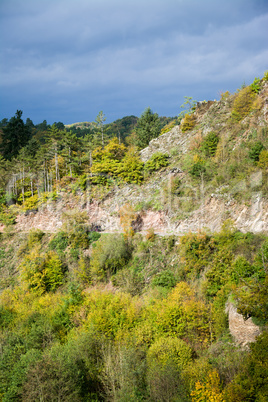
(15, 136)
(255, 150)
(42, 272)
(210, 143)
(156, 162)
(148, 127)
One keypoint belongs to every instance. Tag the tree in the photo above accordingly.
(188, 106)
(53, 138)
(71, 145)
(148, 127)
(100, 119)
(59, 125)
(15, 136)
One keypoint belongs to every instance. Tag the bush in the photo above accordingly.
(42, 272)
(188, 122)
(263, 159)
(197, 169)
(210, 143)
(168, 127)
(255, 151)
(7, 216)
(59, 242)
(167, 349)
(243, 103)
(156, 162)
(165, 279)
(93, 236)
(34, 237)
(250, 384)
(109, 254)
(256, 85)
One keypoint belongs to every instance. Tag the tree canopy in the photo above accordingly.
(15, 135)
(148, 127)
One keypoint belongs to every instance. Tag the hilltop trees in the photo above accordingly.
(148, 127)
(16, 134)
(100, 119)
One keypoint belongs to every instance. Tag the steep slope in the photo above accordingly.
(175, 199)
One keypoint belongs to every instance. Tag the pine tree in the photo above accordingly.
(148, 127)
(15, 136)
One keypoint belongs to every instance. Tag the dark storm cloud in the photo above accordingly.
(66, 60)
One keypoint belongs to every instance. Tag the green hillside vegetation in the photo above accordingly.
(89, 316)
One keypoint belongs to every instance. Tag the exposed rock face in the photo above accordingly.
(160, 208)
(243, 331)
(105, 215)
(166, 142)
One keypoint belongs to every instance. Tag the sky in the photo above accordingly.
(67, 60)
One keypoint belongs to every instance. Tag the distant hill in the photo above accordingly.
(121, 128)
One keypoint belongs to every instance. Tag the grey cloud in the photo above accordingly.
(125, 54)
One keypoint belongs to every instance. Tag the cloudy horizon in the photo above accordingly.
(67, 60)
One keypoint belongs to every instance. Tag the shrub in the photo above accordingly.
(156, 162)
(7, 216)
(168, 127)
(168, 349)
(59, 242)
(256, 85)
(225, 95)
(210, 143)
(93, 236)
(197, 169)
(31, 202)
(131, 167)
(250, 384)
(42, 272)
(165, 279)
(109, 254)
(243, 103)
(34, 237)
(188, 122)
(263, 159)
(127, 217)
(255, 151)
(208, 391)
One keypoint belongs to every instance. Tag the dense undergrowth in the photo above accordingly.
(87, 317)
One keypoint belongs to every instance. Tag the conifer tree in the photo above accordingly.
(148, 127)
(15, 136)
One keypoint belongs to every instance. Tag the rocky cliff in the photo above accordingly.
(200, 204)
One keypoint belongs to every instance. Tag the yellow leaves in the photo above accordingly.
(168, 349)
(188, 122)
(127, 216)
(115, 160)
(111, 314)
(181, 314)
(42, 271)
(197, 159)
(225, 95)
(115, 150)
(209, 391)
(263, 159)
(243, 103)
(25, 303)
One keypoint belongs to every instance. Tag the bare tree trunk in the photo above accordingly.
(71, 174)
(22, 189)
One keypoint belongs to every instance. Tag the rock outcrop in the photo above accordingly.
(243, 331)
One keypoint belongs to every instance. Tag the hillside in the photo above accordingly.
(198, 188)
(133, 274)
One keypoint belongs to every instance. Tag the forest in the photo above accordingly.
(87, 315)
